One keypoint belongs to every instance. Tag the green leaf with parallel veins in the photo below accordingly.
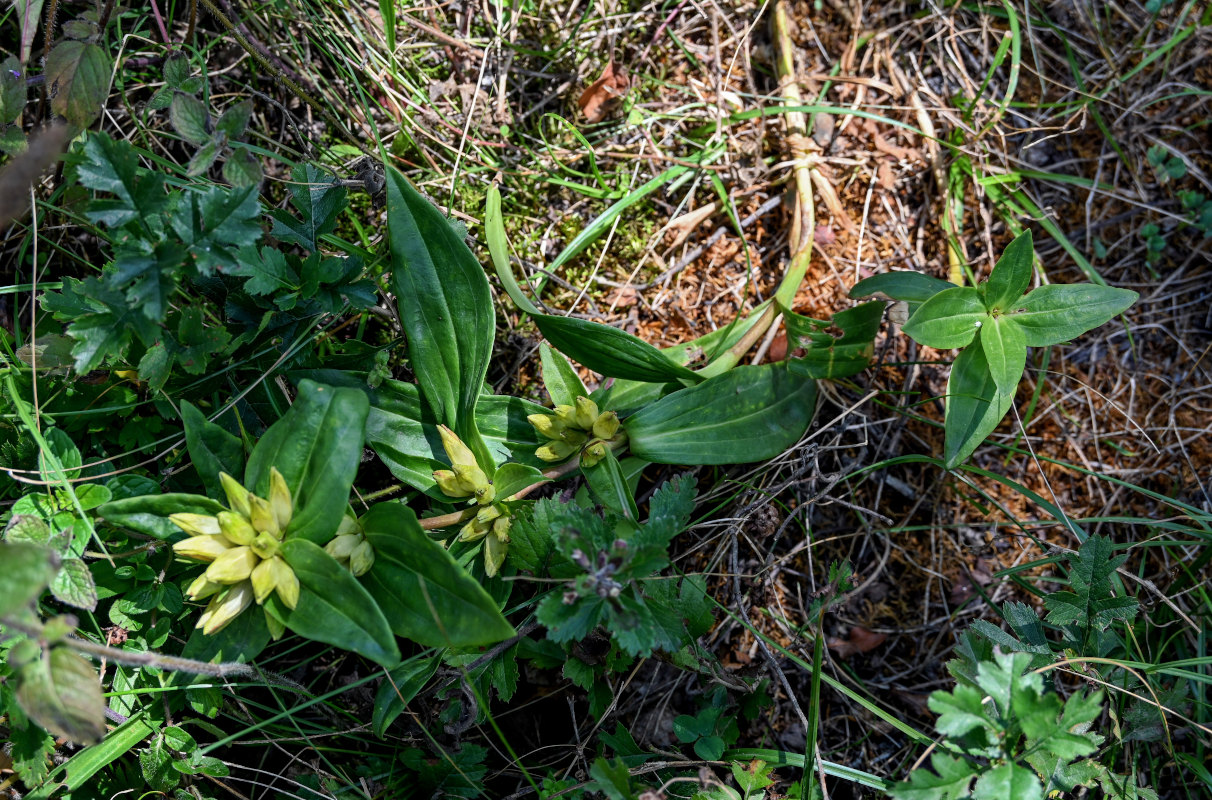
(317, 446)
(610, 351)
(1058, 313)
(399, 687)
(149, 514)
(914, 288)
(1005, 349)
(750, 413)
(609, 487)
(211, 448)
(445, 308)
(27, 571)
(334, 608)
(830, 357)
(949, 319)
(511, 478)
(62, 693)
(77, 74)
(1011, 274)
(974, 406)
(423, 591)
(563, 384)
(190, 118)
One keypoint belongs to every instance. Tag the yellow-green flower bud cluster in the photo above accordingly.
(350, 548)
(241, 546)
(577, 427)
(466, 479)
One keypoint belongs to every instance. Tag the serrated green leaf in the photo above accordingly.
(27, 528)
(750, 413)
(1008, 782)
(334, 608)
(73, 584)
(1091, 604)
(949, 319)
(317, 199)
(1004, 680)
(949, 781)
(268, 272)
(960, 711)
(176, 69)
(425, 594)
(1058, 313)
(234, 120)
(190, 118)
(31, 748)
(62, 693)
(1005, 349)
(1011, 274)
(27, 571)
(974, 406)
(112, 166)
(215, 222)
(242, 169)
(77, 77)
(563, 384)
(569, 622)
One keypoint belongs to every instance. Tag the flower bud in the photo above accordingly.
(574, 438)
(450, 484)
(196, 524)
(279, 498)
(237, 495)
(587, 413)
(236, 528)
(473, 531)
(458, 453)
(471, 477)
(287, 583)
(202, 587)
(606, 425)
(265, 545)
(487, 514)
(494, 555)
(348, 524)
(500, 528)
(362, 559)
(547, 425)
(264, 579)
(276, 628)
(233, 566)
(555, 451)
(202, 548)
(225, 607)
(262, 516)
(567, 415)
(343, 546)
(486, 494)
(593, 454)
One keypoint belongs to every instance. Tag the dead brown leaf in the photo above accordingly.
(599, 99)
(861, 641)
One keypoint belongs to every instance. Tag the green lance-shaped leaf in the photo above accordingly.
(211, 448)
(974, 406)
(422, 590)
(334, 608)
(399, 687)
(949, 319)
(913, 288)
(610, 351)
(498, 250)
(149, 514)
(1058, 313)
(563, 384)
(62, 692)
(27, 571)
(1011, 274)
(445, 307)
(829, 357)
(316, 445)
(77, 74)
(747, 414)
(1005, 349)
(609, 487)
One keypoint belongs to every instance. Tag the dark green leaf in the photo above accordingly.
(612, 779)
(77, 76)
(445, 307)
(65, 452)
(211, 448)
(73, 584)
(317, 446)
(498, 250)
(949, 781)
(27, 571)
(609, 487)
(217, 221)
(190, 118)
(909, 287)
(1011, 274)
(149, 514)
(610, 351)
(829, 357)
(242, 169)
(318, 199)
(62, 693)
(561, 380)
(1008, 782)
(241, 641)
(12, 91)
(176, 69)
(427, 596)
(1005, 349)
(1058, 313)
(747, 414)
(949, 319)
(234, 120)
(511, 478)
(334, 608)
(1091, 603)
(31, 748)
(974, 406)
(112, 166)
(204, 158)
(399, 687)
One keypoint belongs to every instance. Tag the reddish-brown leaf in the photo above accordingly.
(598, 100)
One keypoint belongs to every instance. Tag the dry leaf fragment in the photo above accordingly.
(597, 101)
(861, 640)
